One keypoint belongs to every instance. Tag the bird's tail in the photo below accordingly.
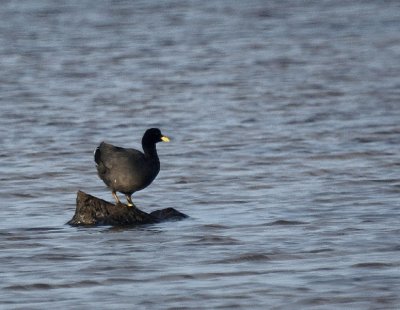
(97, 156)
(101, 168)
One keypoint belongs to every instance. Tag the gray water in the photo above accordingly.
(285, 126)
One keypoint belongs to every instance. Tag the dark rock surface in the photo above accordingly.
(93, 211)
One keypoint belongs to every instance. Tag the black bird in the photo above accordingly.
(129, 170)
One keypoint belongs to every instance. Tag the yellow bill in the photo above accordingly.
(165, 139)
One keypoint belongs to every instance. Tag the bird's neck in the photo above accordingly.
(150, 150)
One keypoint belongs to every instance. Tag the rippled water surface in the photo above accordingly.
(285, 126)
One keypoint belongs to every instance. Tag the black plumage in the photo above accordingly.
(129, 170)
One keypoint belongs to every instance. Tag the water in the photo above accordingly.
(284, 118)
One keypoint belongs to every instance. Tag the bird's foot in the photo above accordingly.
(117, 201)
(129, 200)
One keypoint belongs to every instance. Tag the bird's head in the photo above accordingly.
(153, 136)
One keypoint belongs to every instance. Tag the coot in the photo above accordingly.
(129, 170)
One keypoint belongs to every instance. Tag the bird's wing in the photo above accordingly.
(110, 155)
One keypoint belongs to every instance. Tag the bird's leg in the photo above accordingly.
(116, 197)
(129, 199)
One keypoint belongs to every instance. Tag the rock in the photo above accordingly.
(93, 211)
(168, 214)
